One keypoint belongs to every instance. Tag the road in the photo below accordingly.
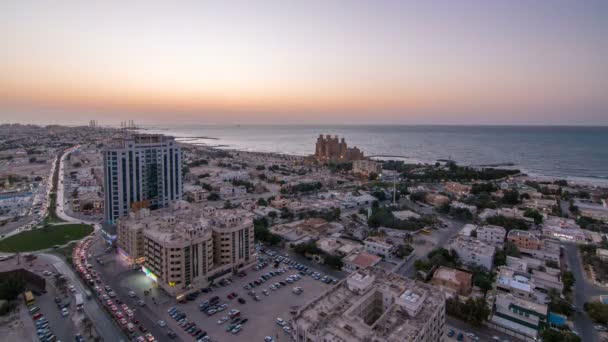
(61, 193)
(445, 234)
(584, 291)
(117, 274)
(484, 333)
(104, 325)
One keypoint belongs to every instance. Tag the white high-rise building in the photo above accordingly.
(141, 171)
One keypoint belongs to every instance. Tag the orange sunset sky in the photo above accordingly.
(305, 62)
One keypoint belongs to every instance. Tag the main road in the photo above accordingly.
(104, 325)
(60, 210)
(584, 291)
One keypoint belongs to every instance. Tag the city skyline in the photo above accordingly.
(266, 62)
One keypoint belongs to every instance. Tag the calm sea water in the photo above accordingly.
(574, 152)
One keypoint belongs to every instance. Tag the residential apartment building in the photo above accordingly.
(524, 239)
(366, 167)
(140, 171)
(492, 235)
(520, 315)
(474, 252)
(379, 246)
(187, 246)
(373, 305)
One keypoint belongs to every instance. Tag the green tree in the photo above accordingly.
(333, 261)
(473, 311)
(558, 304)
(213, 197)
(534, 214)
(512, 250)
(418, 196)
(510, 197)
(568, 280)
(11, 287)
(262, 202)
(553, 335)
(597, 311)
(403, 251)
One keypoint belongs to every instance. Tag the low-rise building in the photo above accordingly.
(453, 282)
(359, 260)
(467, 229)
(302, 231)
(379, 246)
(373, 305)
(457, 189)
(436, 199)
(523, 239)
(524, 316)
(602, 254)
(366, 167)
(459, 205)
(493, 235)
(473, 251)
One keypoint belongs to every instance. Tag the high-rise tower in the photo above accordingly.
(141, 171)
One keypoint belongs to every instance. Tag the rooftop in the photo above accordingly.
(401, 309)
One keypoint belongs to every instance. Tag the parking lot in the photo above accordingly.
(261, 315)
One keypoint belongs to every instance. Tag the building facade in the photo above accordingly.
(141, 171)
(523, 239)
(185, 246)
(521, 315)
(366, 167)
(493, 235)
(474, 252)
(330, 148)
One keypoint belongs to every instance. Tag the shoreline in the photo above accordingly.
(575, 180)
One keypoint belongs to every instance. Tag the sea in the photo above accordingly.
(575, 153)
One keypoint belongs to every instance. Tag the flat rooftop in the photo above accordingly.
(396, 307)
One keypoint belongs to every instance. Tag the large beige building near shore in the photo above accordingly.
(373, 305)
(186, 246)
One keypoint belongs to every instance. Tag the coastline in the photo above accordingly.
(203, 141)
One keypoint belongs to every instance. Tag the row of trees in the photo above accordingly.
(459, 173)
(384, 217)
(302, 187)
(310, 248)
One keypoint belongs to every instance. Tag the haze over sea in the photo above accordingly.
(578, 153)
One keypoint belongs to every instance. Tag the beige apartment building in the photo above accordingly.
(188, 246)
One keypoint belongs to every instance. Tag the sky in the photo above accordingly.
(509, 62)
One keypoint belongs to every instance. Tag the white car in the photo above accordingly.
(64, 312)
(131, 294)
(222, 320)
(72, 288)
(280, 321)
(162, 323)
(287, 329)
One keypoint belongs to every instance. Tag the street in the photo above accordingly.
(443, 235)
(120, 276)
(104, 325)
(583, 292)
